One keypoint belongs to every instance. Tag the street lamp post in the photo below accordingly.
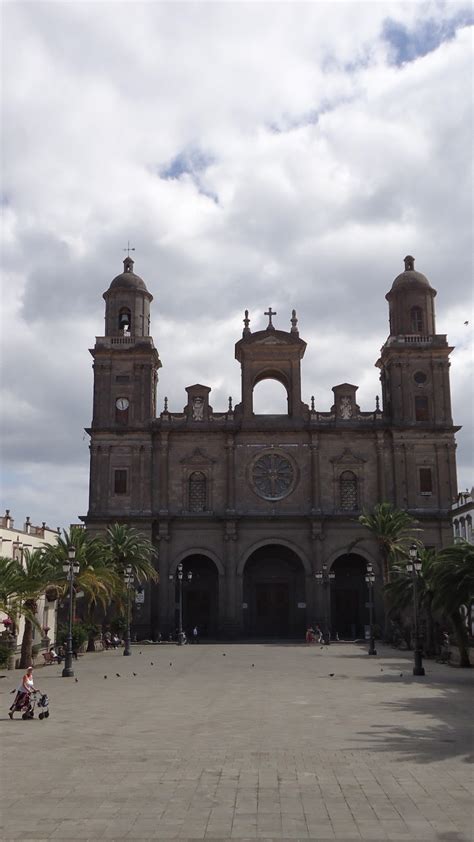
(414, 567)
(324, 577)
(370, 579)
(71, 569)
(128, 579)
(189, 577)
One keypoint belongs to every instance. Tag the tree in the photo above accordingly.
(125, 546)
(393, 529)
(97, 576)
(35, 573)
(453, 583)
(399, 592)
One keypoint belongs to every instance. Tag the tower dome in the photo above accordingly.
(410, 277)
(128, 279)
(411, 303)
(127, 304)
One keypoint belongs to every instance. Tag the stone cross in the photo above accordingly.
(129, 248)
(270, 313)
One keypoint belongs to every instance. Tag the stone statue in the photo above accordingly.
(345, 409)
(198, 409)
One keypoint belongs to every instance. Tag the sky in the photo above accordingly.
(254, 155)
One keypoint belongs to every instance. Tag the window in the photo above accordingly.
(125, 321)
(120, 481)
(426, 482)
(469, 529)
(416, 320)
(348, 491)
(421, 408)
(122, 378)
(419, 377)
(456, 528)
(197, 492)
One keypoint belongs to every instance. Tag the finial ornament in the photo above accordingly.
(270, 313)
(409, 263)
(129, 248)
(294, 322)
(246, 320)
(377, 403)
(165, 409)
(230, 403)
(312, 403)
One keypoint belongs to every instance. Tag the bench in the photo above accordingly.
(49, 658)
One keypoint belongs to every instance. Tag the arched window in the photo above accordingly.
(348, 491)
(416, 320)
(197, 492)
(456, 528)
(469, 529)
(462, 528)
(270, 398)
(125, 320)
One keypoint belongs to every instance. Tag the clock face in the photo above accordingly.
(122, 403)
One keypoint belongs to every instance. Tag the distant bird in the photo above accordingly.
(321, 647)
(381, 669)
(401, 675)
(466, 323)
(253, 665)
(76, 680)
(134, 674)
(105, 676)
(171, 663)
(118, 675)
(152, 664)
(332, 674)
(223, 654)
(139, 653)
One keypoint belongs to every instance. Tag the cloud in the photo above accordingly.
(252, 156)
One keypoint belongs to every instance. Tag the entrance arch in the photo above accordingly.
(273, 588)
(349, 614)
(200, 596)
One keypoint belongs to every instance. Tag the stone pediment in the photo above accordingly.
(197, 457)
(347, 457)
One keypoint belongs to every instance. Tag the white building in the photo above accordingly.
(13, 543)
(462, 516)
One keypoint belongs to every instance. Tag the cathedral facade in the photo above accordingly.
(257, 507)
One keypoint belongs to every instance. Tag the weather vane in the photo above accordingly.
(129, 248)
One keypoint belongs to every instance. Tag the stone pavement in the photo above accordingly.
(237, 742)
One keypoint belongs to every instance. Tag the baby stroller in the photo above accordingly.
(25, 704)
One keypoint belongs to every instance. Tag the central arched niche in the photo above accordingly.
(200, 596)
(349, 614)
(274, 593)
(270, 396)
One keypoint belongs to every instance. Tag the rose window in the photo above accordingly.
(273, 476)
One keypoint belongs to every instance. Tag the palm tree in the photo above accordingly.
(399, 592)
(97, 577)
(35, 574)
(453, 583)
(126, 547)
(393, 529)
(9, 582)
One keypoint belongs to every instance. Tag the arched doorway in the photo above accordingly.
(200, 596)
(349, 614)
(274, 593)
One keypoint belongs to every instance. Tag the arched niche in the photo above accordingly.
(270, 395)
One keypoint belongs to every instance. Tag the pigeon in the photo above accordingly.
(171, 663)
(401, 675)
(223, 654)
(381, 669)
(253, 665)
(152, 664)
(139, 653)
(76, 680)
(105, 676)
(134, 674)
(331, 675)
(118, 675)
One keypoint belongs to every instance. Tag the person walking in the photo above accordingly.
(23, 692)
(195, 634)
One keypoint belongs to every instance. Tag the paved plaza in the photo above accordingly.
(237, 742)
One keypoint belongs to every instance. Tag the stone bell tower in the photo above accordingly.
(414, 361)
(271, 354)
(126, 365)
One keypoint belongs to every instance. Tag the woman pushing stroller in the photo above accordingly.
(24, 690)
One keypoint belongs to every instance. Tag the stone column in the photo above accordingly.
(315, 473)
